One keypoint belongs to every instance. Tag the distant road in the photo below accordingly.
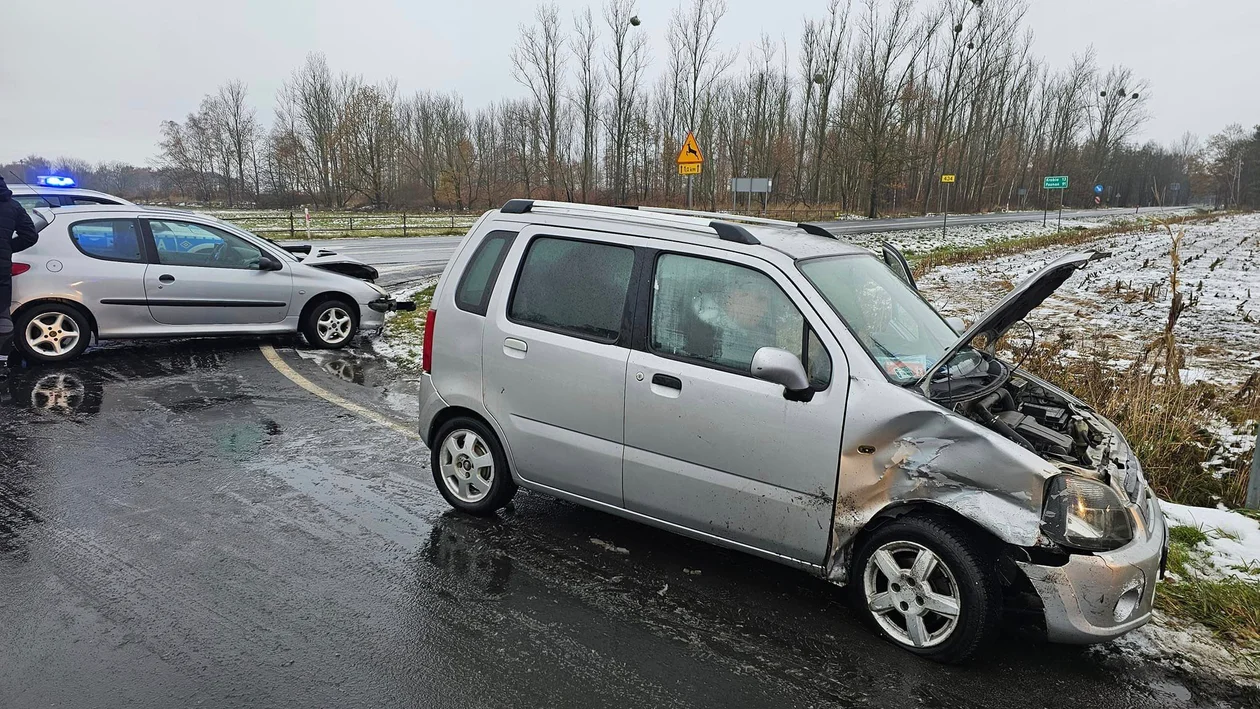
(874, 226)
(403, 261)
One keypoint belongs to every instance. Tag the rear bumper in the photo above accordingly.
(431, 403)
(1098, 597)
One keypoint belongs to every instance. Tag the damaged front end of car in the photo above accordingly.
(1049, 483)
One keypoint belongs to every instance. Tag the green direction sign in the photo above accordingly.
(1056, 183)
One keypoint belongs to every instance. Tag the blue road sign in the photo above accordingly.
(1098, 189)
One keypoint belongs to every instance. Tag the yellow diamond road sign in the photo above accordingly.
(689, 168)
(690, 153)
(948, 179)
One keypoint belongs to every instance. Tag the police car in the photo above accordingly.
(59, 191)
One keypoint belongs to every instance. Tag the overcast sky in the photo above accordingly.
(94, 79)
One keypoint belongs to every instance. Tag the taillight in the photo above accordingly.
(426, 353)
(20, 268)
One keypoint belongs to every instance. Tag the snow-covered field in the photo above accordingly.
(920, 241)
(326, 224)
(1120, 303)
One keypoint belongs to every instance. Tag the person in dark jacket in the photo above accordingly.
(17, 233)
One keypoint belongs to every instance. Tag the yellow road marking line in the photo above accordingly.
(283, 367)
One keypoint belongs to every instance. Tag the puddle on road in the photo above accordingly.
(388, 387)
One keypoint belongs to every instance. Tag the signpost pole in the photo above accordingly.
(1045, 203)
(688, 191)
(945, 224)
(1061, 193)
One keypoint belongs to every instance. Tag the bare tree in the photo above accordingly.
(1117, 110)
(587, 95)
(538, 64)
(240, 125)
(889, 47)
(625, 60)
(693, 30)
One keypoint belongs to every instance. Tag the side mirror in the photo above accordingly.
(956, 324)
(267, 263)
(781, 367)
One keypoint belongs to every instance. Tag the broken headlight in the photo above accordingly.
(1085, 514)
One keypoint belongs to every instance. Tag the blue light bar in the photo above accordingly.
(56, 181)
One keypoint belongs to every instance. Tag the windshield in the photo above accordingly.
(899, 329)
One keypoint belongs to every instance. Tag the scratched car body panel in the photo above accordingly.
(758, 385)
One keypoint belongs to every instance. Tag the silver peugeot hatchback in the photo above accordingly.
(122, 272)
(766, 387)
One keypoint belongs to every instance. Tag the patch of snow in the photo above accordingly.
(1233, 543)
(1189, 647)
(393, 348)
(1119, 304)
(609, 546)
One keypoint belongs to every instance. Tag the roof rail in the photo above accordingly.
(517, 206)
(816, 230)
(726, 225)
(717, 215)
(735, 233)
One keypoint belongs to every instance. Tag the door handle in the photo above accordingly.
(166, 278)
(513, 347)
(667, 381)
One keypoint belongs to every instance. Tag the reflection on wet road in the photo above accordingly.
(179, 524)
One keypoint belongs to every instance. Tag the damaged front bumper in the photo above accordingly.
(386, 305)
(1094, 598)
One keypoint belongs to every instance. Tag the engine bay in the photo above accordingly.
(987, 391)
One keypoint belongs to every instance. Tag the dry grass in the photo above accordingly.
(1165, 423)
(1228, 606)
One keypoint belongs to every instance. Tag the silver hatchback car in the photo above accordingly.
(768, 388)
(122, 272)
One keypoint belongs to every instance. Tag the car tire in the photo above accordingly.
(470, 468)
(912, 608)
(331, 324)
(52, 332)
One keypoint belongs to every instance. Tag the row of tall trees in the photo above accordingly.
(862, 112)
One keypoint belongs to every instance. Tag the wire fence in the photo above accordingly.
(338, 225)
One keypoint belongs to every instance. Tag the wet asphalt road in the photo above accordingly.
(180, 525)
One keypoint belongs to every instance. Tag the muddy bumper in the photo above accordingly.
(1094, 598)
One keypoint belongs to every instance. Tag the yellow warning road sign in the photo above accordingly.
(690, 153)
(689, 168)
(948, 179)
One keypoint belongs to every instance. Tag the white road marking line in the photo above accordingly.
(283, 367)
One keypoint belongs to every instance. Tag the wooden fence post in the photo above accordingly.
(291, 224)
(351, 226)
(404, 225)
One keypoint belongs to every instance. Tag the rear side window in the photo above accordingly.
(575, 287)
(31, 201)
(108, 239)
(477, 283)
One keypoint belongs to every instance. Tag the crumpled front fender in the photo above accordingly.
(901, 448)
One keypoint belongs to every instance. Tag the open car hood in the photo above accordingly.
(1015, 307)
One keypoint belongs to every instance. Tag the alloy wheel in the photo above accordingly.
(912, 594)
(52, 334)
(334, 325)
(467, 466)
